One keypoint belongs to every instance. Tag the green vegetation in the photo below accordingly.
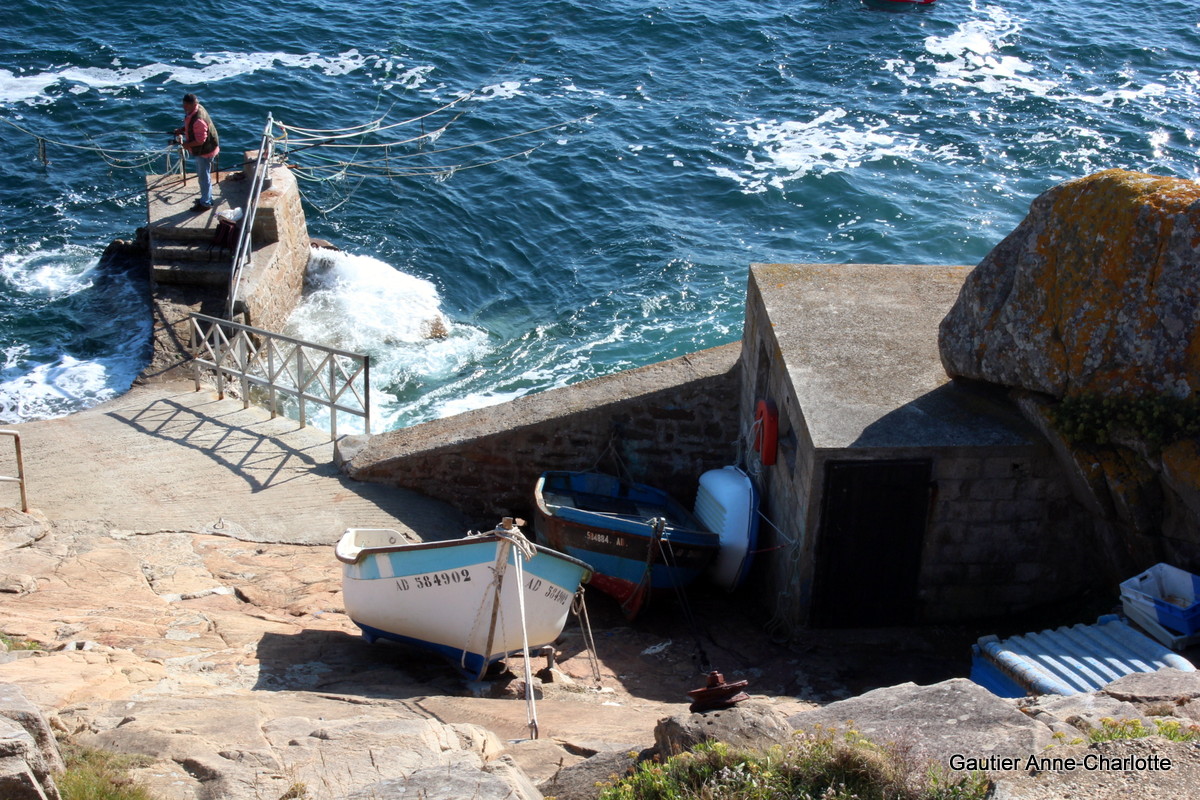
(822, 765)
(1092, 419)
(11, 643)
(1111, 729)
(99, 775)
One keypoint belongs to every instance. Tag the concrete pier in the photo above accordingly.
(190, 267)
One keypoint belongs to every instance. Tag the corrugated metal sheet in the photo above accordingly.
(1068, 660)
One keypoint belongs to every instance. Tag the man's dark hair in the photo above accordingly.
(189, 98)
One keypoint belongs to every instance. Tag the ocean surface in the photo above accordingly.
(577, 188)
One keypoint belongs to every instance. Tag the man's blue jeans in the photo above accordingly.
(204, 176)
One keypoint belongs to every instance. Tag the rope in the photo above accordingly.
(374, 126)
(494, 589)
(658, 525)
(668, 555)
(524, 547)
(530, 703)
(579, 609)
(144, 156)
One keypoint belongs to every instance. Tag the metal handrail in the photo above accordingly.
(308, 372)
(242, 252)
(20, 478)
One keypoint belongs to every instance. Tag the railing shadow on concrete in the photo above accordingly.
(252, 448)
(258, 458)
(19, 478)
(275, 365)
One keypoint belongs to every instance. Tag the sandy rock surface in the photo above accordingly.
(232, 665)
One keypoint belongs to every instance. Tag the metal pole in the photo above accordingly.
(300, 387)
(21, 474)
(193, 329)
(219, 361)
(271, 374)
(367, 393)
(332, 401)
(243, 363)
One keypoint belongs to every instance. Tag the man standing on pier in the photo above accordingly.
(200, 138)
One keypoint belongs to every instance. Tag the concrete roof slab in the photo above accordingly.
(860, 346)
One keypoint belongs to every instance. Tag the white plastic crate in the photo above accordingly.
(1166, 594)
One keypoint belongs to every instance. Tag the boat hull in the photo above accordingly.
(609, 523)
(727, 503)
(442, 596)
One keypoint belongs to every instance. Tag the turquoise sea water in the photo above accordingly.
(593, 180)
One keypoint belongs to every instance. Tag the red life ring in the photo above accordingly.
(766, 427)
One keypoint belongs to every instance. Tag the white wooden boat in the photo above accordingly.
(474, 600)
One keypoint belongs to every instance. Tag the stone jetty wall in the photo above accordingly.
(665, 424)
(275, 283)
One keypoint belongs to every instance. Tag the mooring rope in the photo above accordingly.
(579, 609)
(530, 702)
(668, 555)
(144, 155)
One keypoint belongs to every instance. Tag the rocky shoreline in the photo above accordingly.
(232, 667)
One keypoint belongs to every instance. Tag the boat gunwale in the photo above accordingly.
(482, 538)
(694, 534)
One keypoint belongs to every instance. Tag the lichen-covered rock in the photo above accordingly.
(1096, 291)
(747, 725)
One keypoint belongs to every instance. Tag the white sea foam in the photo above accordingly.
(39, 378)
(34, 87)
(49, 273)
(971, 57)
(831, 142)
(60, 387)
(500, 91)
(364, 305)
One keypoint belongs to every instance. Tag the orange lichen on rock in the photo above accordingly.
(1094, 292)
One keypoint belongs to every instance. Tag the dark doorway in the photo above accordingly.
(868, 555)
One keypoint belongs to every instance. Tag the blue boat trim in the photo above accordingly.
(471, 665)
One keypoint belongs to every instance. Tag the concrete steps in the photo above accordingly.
(191, 273)
(182, 248)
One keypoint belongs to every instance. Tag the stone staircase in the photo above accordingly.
(183, 244)
(192, 260)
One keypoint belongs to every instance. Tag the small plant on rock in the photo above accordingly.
(1112, 730)
(818, 765)
(8, 642)
(93, 774)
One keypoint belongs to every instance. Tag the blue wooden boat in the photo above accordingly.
(638, 538)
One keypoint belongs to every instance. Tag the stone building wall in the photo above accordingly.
(1004, 532)
(784, 575)
(1006, 535)
(664, 424)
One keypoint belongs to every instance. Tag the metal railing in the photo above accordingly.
(243, 251)
(20, 477)
(280, 365)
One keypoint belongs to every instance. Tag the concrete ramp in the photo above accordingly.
(164, 457)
